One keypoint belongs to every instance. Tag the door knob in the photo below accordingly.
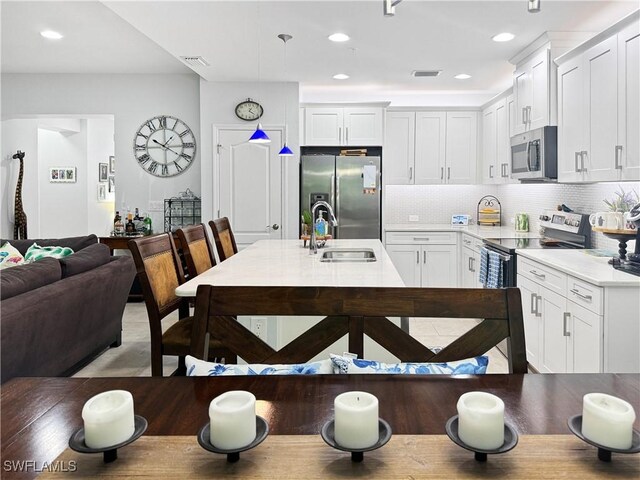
(275, 226)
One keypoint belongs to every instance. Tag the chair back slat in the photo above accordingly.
(197, 249)
(224, 238)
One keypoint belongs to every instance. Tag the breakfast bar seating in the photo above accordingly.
(356, 312)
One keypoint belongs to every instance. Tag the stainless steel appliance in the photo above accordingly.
(351, 185)
(534, 155)
(558, 229)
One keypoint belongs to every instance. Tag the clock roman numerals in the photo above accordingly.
(163, 122)
(165, 169)
(186, 156)
(152, 167)
(184, 133)
(189, 145)
(150, 125)
(143, 159)
(177, 165)
(140, 147)
(146, 137)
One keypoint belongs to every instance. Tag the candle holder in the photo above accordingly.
(604, 453)
(510, 440)
(357, 454)
(110, 454)
(204, 439)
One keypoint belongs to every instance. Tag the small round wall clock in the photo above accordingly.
(164, 146)
(249, 110)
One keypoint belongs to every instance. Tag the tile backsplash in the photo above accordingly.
(436, 203)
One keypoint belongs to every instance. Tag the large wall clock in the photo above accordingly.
(164, 146)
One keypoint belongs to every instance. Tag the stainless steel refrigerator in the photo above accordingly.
(351, 185)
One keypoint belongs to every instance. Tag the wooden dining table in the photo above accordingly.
(40, 414)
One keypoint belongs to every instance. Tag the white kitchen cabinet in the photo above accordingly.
(532, 321)
(470, 264)
(628, 102)
(348, 126)
(424, 259)
(584, 329)
(423, 148)
(511, 110)
(496, 143)
(551, 307)
(598, 114)
(531, 91)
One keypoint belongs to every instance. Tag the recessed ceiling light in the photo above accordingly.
(50, 34)
(462, 76)
(341, 76)
(503, 37)
(339, 37)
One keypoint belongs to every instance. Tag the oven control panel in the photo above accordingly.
(567, 221)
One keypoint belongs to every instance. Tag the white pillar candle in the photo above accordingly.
(356, 421)
(108, 419)
(607, 420)
(232, 418)
(481, 420)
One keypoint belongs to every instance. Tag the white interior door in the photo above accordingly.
(249, 184)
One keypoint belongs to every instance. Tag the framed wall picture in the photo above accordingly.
(62, 175)
(112, 164)
(102, 192)
(103, 172)
(112, 184)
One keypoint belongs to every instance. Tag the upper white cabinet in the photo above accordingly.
(348, 126)
(598, 114)
(496, 146)
(532, 92)
(430, 148)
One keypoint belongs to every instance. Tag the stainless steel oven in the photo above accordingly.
(534, 155)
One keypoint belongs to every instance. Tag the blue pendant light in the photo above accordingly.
(259, 136)
(285, 151)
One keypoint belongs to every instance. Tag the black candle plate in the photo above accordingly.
(357, 454)
(604, 453)
(76, 442)
(204, 439)
(510, 440)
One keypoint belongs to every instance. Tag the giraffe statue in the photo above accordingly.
(20, 220)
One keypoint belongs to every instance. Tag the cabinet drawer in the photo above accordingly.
(468, 240)
(584, 294)
(543, 275)
(421, 238)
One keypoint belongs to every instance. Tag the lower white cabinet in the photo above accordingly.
(424, 259)
(470, 262)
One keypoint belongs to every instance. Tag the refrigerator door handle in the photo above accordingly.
(337, 205)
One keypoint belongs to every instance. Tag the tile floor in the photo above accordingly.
(132, 358)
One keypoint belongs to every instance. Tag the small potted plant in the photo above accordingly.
(622, 203)
(306, 222)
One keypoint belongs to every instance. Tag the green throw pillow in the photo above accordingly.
(36, 252)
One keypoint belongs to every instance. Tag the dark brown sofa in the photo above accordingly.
(57, 315)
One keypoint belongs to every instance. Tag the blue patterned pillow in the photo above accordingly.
(470, 366)
(200, 368)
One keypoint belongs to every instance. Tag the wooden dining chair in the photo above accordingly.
(360, 311)
(223, 236)
(160, 273)
(196, 248)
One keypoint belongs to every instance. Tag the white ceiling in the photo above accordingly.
(454, 36)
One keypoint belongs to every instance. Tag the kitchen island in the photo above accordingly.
(287, 263)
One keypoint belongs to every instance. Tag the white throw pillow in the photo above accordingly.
(200, 368)
(10, 256)
(470, 366)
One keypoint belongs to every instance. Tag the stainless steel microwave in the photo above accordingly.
(534, 155)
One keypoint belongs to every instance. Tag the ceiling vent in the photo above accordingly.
(426, 73)
(195, 61)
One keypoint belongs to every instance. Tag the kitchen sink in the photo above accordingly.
(358, 255)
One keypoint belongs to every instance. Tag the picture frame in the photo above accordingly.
(103, 172)
(459, 220)
(63, 175)
(112, 184)
(102, 192)
(112, 164)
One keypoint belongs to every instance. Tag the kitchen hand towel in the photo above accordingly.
(494, 271)
(484, 266)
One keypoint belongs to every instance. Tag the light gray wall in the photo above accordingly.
(131, 99)
(217, 107)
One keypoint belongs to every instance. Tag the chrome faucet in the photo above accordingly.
(313, 245)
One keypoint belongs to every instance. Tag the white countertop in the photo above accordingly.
(287, 263)
(582, 265)
(481, 232)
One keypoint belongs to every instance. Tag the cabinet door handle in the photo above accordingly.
(410, 173)
(617, 157)
(420, 239)
(565, 324)
(441, 173)
(577, 162)
(346, 134)
(448, 173)
(533, 303)
(524, 115)
(529, 114)
(418, 256)
(578, 294)
(582, 155)
(506, 170)
(340, 135)
(473, 264)
(490, 171)
(539, 275)
(538, 312)
(424, 257)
